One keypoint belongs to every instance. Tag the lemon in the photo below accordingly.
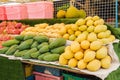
(85, 44)
(81, 64)
(72, 62)
(78, 55)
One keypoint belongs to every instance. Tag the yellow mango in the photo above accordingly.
(81, 37)
(81, 64)
(95, 45)
(72, 62)
(89, 22)
(62, 60)
(83, 28)
(94, 65)
(106, 62)
(92, 37)
(90, 29)
(100, 28)
(78, 55)
(94, 18)
(75, 46)
(74, 27)
(80, 22)
(102, 52)
(85, 44)
(88, 18)
(89, 56)
(68, 54)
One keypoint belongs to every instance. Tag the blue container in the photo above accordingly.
(39, 68)
(30, 77)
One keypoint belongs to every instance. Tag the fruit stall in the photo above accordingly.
(59, 40)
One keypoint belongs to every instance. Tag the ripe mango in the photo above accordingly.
(89, 56)
(94, 65)
(72, 62)
(106, 62)
(102, 52)
(81, 64)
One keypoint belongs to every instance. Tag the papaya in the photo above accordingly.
(40, 57)
(57, 42)
(3, 50)
(44, 49)
(51, 57)
(10, 43)
(19, 37)
(42, 44)
(35, 44)
(11, 50)
(16, 54)
(35, 54)
(28, 53)
(58, 50)
(20, 53)
(41, 38)
(26, 37)
(25, 44)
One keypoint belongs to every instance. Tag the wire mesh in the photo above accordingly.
(106, 9)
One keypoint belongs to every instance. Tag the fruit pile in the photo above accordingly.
(35, 47)
(72, 12)
(51, 31)
(90, 28)
(86, 55)
(10, 28)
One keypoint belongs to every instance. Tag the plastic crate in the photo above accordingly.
(2, 13)
(42, 76)
(16, 12)
(42, 69)
(40, 10)
(72, 77)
